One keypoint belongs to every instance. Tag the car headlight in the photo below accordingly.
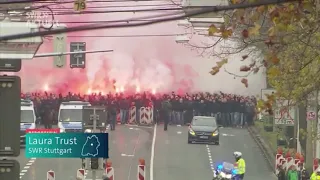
(215, 133)
(62, 130)
(192, 132)
(88, 131)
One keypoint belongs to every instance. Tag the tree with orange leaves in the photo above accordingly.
(282, 38)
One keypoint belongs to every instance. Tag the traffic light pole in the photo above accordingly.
(68, 53)
(94, 172)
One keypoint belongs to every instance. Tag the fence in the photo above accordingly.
(142, 116)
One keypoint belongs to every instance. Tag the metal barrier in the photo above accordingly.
(110, 171)
(132, 115)
(118, 117)
(81, 174)
(51, 175)
(280, 160)
(315, 164)
(146, 115)
(288, 161)
(141, 174)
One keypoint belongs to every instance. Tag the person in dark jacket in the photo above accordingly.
(48, 118)
(124, 106)
(303, 174)
(282, 173)
(112, 112)
(166, 107)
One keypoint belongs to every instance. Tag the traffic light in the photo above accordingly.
(94, 163)
(9, 169)
(10, 102)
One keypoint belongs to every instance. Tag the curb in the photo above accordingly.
(267, 153)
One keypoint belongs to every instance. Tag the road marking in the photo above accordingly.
(152, 151)
(179, 132)
(27, 167)
(231, 135)
(178, 125)
(128, 155)
(210, 158)
(134, 125)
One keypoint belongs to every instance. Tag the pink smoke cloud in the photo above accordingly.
(149, 62)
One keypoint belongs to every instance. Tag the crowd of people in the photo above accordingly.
(229, 109)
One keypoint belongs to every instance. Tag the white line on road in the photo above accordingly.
(27, 167)
(210, 158)
(128, 155)
(152, 151)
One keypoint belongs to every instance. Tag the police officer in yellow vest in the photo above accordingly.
(315, 175)
(241, 165)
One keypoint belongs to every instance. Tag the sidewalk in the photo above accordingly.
(266, 142)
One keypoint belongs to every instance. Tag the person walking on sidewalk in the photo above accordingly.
(292, 173)
(282, 173)
(315, 175)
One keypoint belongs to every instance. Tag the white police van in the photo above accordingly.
(27, 118)
(70, 116)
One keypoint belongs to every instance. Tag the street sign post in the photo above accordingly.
(91, 113)
(284, 114)
(59, 46)
(9, 169)
(311, 115)
(78, 60)
(97, 113)
(10, 103)
(80, 5)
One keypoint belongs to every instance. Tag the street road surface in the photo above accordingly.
(127, 144)
(174, 158)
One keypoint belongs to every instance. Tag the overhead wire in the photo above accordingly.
(114, 6)
(66, 2)
(117, 11)
(154, 19)
(130, 36)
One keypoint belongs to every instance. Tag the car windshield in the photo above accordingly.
(27, 116)
(204, 122)
(70, 115)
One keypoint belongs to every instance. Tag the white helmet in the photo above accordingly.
(237, 154)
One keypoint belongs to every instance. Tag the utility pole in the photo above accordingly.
(312, 117)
